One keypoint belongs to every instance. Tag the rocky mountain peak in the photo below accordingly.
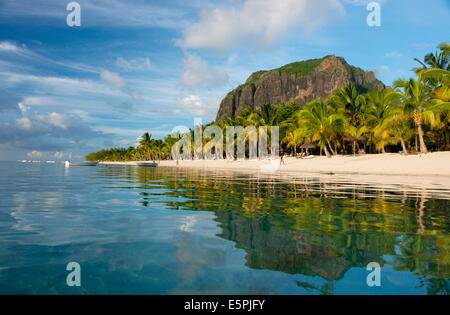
(303, 81)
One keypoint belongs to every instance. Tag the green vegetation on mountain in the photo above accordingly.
(301, 68)
(303, 81)
(413, 116)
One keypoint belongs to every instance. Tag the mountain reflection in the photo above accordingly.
(310, 226)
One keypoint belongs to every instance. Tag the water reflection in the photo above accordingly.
(194, 231)
(310, 226)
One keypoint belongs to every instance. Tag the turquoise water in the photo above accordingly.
(167, 231)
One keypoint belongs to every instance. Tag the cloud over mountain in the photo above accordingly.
(257, 23)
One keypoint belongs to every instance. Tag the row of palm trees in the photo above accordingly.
(382, 117)
(148, 149)
(414, 115)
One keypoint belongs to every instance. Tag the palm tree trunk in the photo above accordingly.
(331, 147)
(423, 147)
(354, 147)
(405, 150)
(326, 151)
(446, 135)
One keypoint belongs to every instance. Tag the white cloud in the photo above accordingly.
(44, 122)
(58, 85)
(363, 2)
(40, 155)
(62, 155)
(9, 47)
(45, 132)
(394, 54)
(379, 71)
(258, 23)
(35, 154)
(56, 120)
(138, 64)
(199, 74)
(112, 78)
(104, 13)
(24, 123)
(118, 82)
(24, 52)
(424, 45)
(195, 106)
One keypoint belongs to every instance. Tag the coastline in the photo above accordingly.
(432, 164)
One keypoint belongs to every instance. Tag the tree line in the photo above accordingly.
(412, 116)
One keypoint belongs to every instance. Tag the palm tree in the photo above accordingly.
(320, 122)
(146, 142)
(415, 96)
(354, 134)
(268, 115)
(158, 146)
(399, 124)
(380, 105)
(438, 77)
(293, 139)
(438, 60)
(349, 102)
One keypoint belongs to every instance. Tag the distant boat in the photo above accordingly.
(67, 163)
(144, 164)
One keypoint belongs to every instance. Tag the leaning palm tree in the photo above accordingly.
(416, 96)
(438, 60)
(439, 80)
(320, 122)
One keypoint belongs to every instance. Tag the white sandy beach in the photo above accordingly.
(432, 164)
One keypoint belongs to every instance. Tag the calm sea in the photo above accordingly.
(166, 231)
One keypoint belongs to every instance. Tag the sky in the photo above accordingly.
(134, 66)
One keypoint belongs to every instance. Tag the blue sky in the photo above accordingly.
(142, 65)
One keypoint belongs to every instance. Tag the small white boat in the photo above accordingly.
(144, 164)
(67, 163)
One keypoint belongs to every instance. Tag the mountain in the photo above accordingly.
(303, 81)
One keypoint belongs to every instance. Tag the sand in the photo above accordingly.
(425, 170)
(432, 164)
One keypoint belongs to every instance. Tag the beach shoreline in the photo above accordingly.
(432, 164)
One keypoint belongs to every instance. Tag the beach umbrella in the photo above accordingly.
(308, 145)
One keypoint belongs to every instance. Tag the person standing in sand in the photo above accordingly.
(282, 160)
